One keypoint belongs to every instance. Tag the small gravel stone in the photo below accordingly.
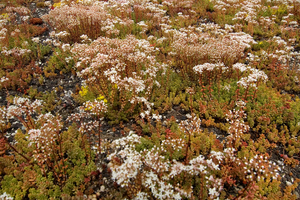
(102, 188)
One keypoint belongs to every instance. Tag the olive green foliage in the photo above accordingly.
(18, 57)
(47, 166)
(61, 62)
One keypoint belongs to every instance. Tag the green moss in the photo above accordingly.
(145, 144)
(60, 62)
(262, 45)
(50, 101)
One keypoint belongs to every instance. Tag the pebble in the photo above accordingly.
(92, 197)
(100, 169)
(110, 132)
(102, 188)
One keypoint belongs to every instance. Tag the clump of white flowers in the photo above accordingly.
(127, 65)
(253, 78)
(159, 174)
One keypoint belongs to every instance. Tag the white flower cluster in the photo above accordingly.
(243, 39)
(15, 32)
(132, 159)
(207, 66)
(85, 118)
(224, 5)
(141, 196)
(156, 116)
(4, 79)
(47, 3)
(36, 39)
(267, 22)
(205, 167)
(75, 15)
(119, 62)
(240, 66)
(191, 125)
(41, 138)
(66, 47)
(34, 135)
(248, 11)
(159, 188)
(130, 84)
(45, 137)
(283, 52)
(254, 77)
(6, 196)
(3, 117)
(237, 125)
(23, 106)
(3, 33)
(87, 2)
(158, 174)
(60, 35)
(202, 43)
(16, 51)
(142, 164)
(20, 10)
(96, 107)
(257, 168)
(178, 4)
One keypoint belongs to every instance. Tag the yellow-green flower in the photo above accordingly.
(89, 108)
(100, 98)
(83, 91)
(4, 16)
(57, 4)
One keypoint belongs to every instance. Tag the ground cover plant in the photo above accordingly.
(149, 99)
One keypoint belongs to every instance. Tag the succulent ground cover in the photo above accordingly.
(150, 99)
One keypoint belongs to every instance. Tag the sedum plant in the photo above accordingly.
(47, 162)
(123, 72)
(178, 165)
(78, 19)
(206, 44)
